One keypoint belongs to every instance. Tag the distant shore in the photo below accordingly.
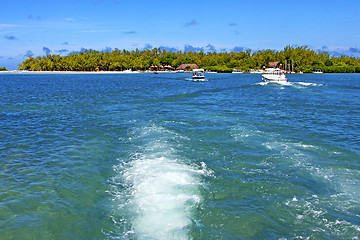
(79, 72)
(294, 59)
(105, 72)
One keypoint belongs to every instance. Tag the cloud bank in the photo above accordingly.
(129, 32)
(46, 50)
(11, 37)
(193, 22)
(29, 54)
(189, 48)
(62, 51)
(31, 17)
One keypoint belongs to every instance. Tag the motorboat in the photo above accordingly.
(198, 74)
(237, 71)
(318, 71)
(274, 75)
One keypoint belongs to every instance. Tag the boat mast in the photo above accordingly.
(289, 66)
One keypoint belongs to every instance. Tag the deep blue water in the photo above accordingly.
(145, 156)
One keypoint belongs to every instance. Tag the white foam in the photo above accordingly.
(196, 80)
(163, 189)
(308, 84)
(262, 83)
(284, 83)
(294, 84)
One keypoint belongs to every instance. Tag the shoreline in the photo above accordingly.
(74, 72)
(121, 72)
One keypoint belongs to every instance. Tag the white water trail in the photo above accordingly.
(293, 84)
(308, 84)
(163, 189)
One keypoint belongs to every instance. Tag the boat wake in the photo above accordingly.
(156, 190)
(275, 83)
(315, 210)
(196, 80)
(308, 84)
(294, 84)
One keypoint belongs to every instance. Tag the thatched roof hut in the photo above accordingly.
(160, 67)
(274, 64)
(183, 66)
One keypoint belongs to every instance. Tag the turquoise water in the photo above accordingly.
(145, 156)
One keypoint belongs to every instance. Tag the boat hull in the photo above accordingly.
(274, 78)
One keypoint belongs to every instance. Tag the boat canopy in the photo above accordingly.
(272, 69)
(198, 70)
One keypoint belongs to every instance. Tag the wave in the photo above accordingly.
(157, 190)
(294, 84)
(330, 202)
(274, 83)
(308, 84)
(196, 80)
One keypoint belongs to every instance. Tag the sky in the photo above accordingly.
(36, 28)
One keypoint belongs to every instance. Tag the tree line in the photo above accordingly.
(301, 59)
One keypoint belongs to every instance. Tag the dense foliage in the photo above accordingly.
(2, 68)
(301, 59)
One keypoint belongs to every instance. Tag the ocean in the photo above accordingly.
(157, 156)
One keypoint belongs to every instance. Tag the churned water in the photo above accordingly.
(145, 156)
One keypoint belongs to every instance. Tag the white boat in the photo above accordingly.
(129, 71)
(318, 71)
(237, 71)
(256, 71)
(274, 75)
(198, 74)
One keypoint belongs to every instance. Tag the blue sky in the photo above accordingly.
(63, 26)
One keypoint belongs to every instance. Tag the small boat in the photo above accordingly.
(198, 74)
(318, 71)
(274, 75)
(237, 71)
(256, 71)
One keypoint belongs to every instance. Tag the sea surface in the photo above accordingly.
(146, 156)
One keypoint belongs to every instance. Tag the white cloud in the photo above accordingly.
(94, 31)
(2, 25)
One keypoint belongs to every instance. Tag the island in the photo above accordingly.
(293, 59)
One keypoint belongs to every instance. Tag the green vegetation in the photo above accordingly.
(302, 58)
(2, 68)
